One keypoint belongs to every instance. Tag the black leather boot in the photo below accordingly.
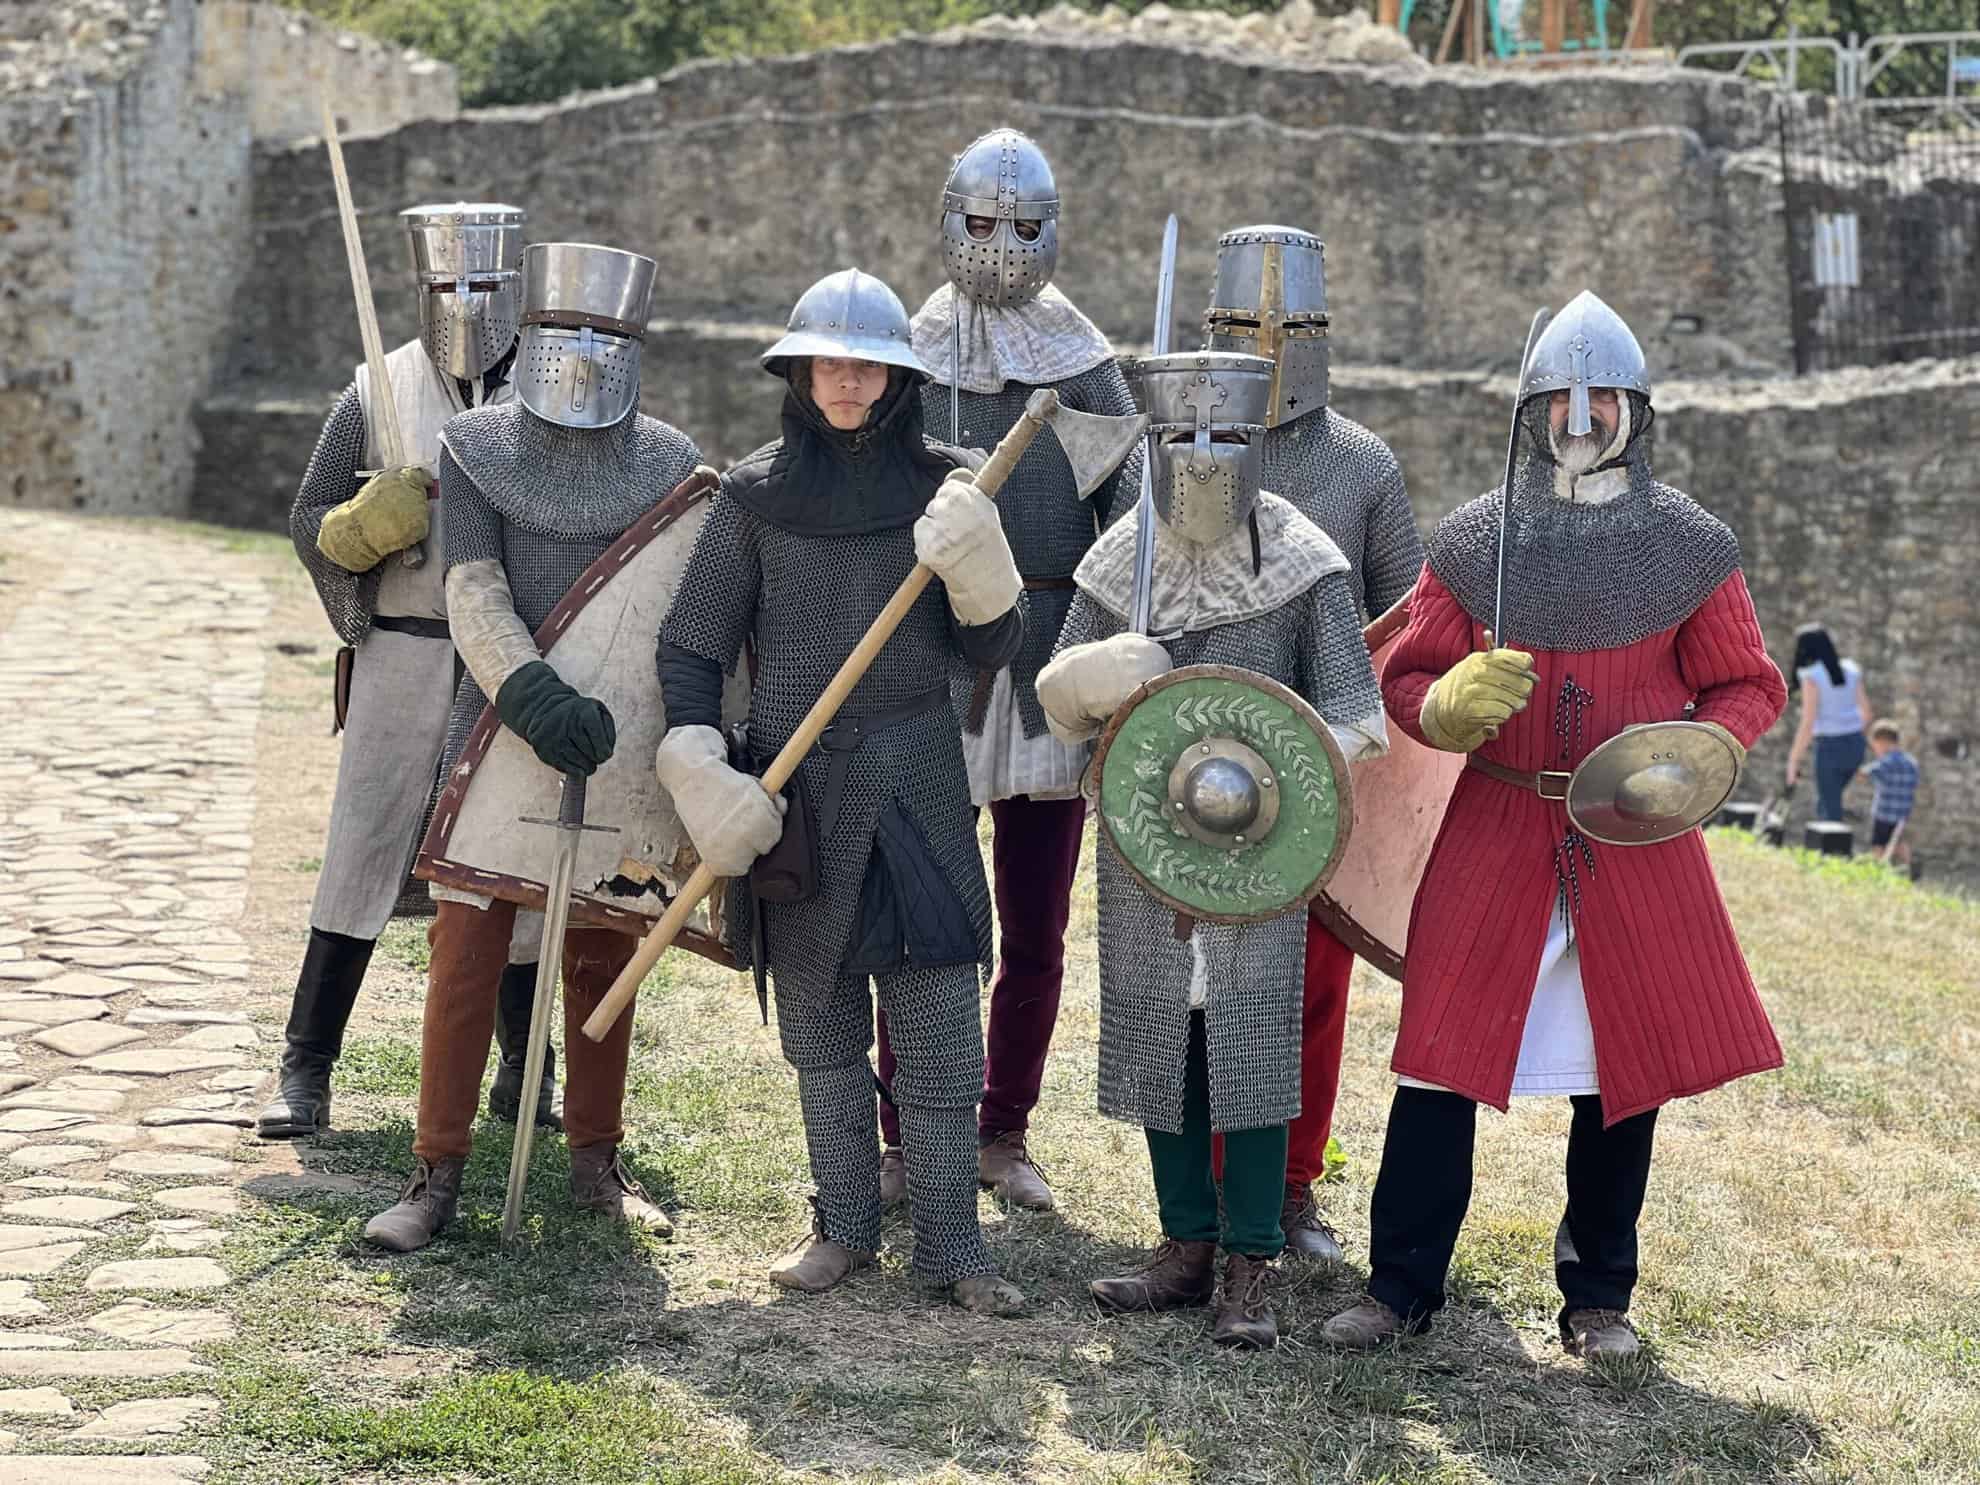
(332, 971)
(512, 1010)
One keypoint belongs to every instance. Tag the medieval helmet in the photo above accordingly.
(467, 258)
(847, 313)
(1002, 176)
(1207, 413)
(584, 318)
(1270, 300)
(1585, 345)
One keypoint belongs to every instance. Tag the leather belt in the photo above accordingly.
(1046, 584)
(1548, 783)
(407, 624)
(847, 735)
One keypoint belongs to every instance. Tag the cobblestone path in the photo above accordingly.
(129, 689)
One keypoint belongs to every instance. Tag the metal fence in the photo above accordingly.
(1883, 225)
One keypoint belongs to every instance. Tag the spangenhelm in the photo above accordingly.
(850, 314)
(1002, 176)
(467, 258)
(1207, 412)
(1585, 345)
(584, 319)
(1270, 300)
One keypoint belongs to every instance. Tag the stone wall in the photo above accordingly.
(125, 212)
(1452, 201)
(280, 61)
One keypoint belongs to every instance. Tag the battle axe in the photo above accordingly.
(1094, 446)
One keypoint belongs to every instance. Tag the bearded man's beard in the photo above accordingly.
(1579, 453)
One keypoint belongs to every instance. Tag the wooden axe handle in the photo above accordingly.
(989, 479)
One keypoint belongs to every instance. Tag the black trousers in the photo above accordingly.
(1425, 1186)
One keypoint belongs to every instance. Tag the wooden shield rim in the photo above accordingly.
(1332, 915)
(434, 865)
(1344, 783)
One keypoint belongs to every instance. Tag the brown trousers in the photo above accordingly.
(470, 948)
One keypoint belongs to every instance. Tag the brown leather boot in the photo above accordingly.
(1004, 1167)
(1244, 1315)
(1363, 1326)
(600, 1183)
(424, 1207)
(893, 1176)
(1599, 1335)
(1307, 1236)
(1176, 1276)
(817, 1263)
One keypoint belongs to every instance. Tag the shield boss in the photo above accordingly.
(1224, 793)
(1652, 783)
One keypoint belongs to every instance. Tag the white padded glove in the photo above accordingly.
(729, 816)
(1085, 685)
(960, 538)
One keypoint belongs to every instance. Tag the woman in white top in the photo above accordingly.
(1835, 709)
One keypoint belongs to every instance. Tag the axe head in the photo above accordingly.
(1094, 443)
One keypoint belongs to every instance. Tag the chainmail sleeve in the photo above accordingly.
(1335, 673)
(348, 597)
(715, 607)
(1393, 554)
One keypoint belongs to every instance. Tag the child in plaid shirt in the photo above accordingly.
(1895, 773)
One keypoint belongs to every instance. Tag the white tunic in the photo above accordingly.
(402, 686)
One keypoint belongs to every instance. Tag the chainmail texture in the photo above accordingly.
(935, 1022)
(544, 557)
(1346, 481)
(348, 598)
(1047, 525)
(1254, 970)
(1581, 576)
(544, 478)
(804, 602)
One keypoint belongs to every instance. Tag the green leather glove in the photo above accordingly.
(571, 732)
(1468, 703)
(387, 515)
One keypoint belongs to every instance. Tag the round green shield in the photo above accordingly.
(1224, 792)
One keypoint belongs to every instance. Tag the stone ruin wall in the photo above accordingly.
(126, 158)
(1452, 202)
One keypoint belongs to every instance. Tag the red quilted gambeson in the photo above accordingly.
(1673, 1007)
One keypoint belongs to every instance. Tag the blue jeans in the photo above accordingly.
(1836, 762)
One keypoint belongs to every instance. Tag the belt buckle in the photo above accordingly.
(1559, 781)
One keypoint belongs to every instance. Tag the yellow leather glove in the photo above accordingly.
(1468, 703)
(386, 516)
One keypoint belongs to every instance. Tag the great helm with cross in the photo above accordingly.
(583, 322)
(467, 257)
(1270, 299)
(1206, 416)
(1005, 177)
(1585, 345)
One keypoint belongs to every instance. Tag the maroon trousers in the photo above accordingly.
(1034, 857)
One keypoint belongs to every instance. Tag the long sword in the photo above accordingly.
(1144, 535)
(955, 367)
(1498, 634)
(385, 431)
(550, 956)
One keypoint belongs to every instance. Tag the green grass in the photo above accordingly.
(404, 942)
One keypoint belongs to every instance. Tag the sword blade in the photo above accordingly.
(955, 369)
(550, 958)
(1144, 534)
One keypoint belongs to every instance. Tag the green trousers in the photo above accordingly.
(1254, 1171)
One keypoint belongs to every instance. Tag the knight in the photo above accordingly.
(1198, 1019)
(876, 879)
(375, 547)
(535, 490)
(1270, 299)
(1543, 960)
(997, 331)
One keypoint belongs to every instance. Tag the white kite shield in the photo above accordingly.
(1399, 803)
(601, 638)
